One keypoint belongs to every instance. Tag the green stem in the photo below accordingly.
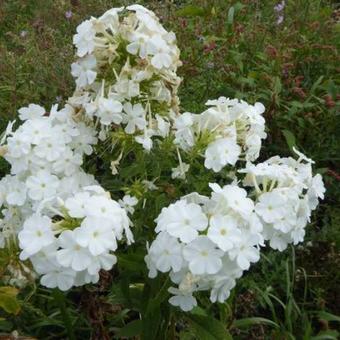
(60, 299)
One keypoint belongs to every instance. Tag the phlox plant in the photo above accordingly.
(120, 175)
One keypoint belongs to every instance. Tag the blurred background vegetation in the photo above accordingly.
(288, 60)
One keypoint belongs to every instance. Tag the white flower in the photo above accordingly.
(246, 251)
(43, 185)
(68, 163)
(34, 131)
(128, 202)
(104, 207)
(221, 289)
(150, 264)
(127, 88)
(84, 71)
(59, 277)
(87, 137)
(137, 44)
(149, 185)
(220, 153)
(184, 135)
(72, 254)
(134, 117)
(76, 205)
(157, 47)
(223, 232)
(180, 171)
(84, 39)
(298, 233)
(84, 277)
(163, 126)
(35, 235)
(286, 223)
(31, 112)
(109, 111)
(110, 18)
(182, 220)
(51, 149)
(103, 261)
(161, 60)
(233, 197)
(271, 206)
(184, 301)
(166, 253)
(16, 194)
(45, 259)
(96, 234)
(318, 186)
(203, 257)
(145, 139)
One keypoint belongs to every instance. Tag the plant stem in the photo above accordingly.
(60, 299)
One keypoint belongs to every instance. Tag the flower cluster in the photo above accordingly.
(57, 214)
(126, 73)
(59, 217)
(230, 130)
(206, 243)
(286, 193)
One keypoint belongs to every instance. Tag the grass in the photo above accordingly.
(229, 48)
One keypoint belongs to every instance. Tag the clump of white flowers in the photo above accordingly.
(231, 129)
(286, 193)
(126, 73)
(206, 243)
(59, 216)
(66, 227)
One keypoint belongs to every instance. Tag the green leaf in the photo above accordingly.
(316, 84)
(208, 328)
(238, 6)
(231, 13)
(5, 325)
(161, 296)
(327, 335)
(277, 85)
(8, 300)
(290, 138)
(327, 316)
(151, 323)
(131, 262)
(133, 328)
(10, 291)
(246, 322)
(190, 11)
(198, 311)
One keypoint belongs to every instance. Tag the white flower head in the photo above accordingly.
(223, 231)
(31, 112)
(182, 220)
(36, 234)
(203, 256)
